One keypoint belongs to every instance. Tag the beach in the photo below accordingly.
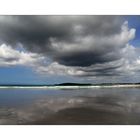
(70, 106)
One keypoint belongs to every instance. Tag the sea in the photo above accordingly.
(70, 106)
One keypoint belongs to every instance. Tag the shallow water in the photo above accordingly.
(70, 106)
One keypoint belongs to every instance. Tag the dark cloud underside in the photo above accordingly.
(72, 43)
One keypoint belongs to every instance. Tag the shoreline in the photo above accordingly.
(71, 87)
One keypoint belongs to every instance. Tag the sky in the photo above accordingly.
(58, 49)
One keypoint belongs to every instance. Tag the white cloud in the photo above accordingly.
(12, 57)
(58, 69)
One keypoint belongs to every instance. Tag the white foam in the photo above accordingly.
(70, 87)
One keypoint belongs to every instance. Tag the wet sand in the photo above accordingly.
(83, 116)
(82, 107)
(104, 113)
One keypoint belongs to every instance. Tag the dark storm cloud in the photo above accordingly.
(86, 58)
(39, 33)
(73, 45)
(40, 28)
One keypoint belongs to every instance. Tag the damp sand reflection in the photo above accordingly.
(79, 106)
